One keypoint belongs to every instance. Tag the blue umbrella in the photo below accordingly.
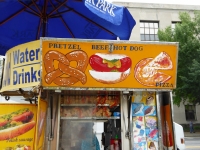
(23, 21)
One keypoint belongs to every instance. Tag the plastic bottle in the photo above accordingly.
(116, 143)
(112, 147)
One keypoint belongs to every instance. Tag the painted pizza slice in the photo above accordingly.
(149, 76)
(161, 61)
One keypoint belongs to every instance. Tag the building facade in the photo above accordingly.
(149, 18)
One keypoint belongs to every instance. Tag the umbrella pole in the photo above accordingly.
(44, 19)
(43, 29)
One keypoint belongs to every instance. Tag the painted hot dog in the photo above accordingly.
(110, 68)
(16, 123)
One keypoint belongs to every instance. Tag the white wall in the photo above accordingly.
(13, 99)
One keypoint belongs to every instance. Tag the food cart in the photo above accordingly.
(109, 94)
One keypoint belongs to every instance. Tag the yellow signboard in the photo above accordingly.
(41, 124)
(22, 66)
(108, 64)
(17, 126)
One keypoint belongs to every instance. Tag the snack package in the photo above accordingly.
(67, 99)
(64, 112)
(150, 99)
(140, 146)
(151, 145)
(137, 97)
(147, 98)
(139, 129)
(151, 122)
(151, 134)
(149, 110)
(137, 109)
(138, 122)
(62, 100)
(106, 112)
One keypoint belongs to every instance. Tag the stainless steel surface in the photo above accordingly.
(158, 99)
(124, 123)
(58, 129)
(172, 115)
(131, 121)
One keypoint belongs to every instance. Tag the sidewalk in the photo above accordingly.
(188, 134)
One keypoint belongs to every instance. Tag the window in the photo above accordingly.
(148, 31)
(190, 112)
(173, 25)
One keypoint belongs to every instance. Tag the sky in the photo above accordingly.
(182, 2)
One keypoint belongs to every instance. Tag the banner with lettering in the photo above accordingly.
(17, 126)
(69, 63)
(22, 66)
(41, 124)
(106, 10)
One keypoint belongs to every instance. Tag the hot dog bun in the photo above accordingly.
(16, 131)
(110, 68)
(109, 77)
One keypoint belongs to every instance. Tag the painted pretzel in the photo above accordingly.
(73, 74)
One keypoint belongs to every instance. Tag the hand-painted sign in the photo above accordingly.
(108, 64)
(22, 66)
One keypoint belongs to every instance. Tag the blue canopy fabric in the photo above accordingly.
(23, 21)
